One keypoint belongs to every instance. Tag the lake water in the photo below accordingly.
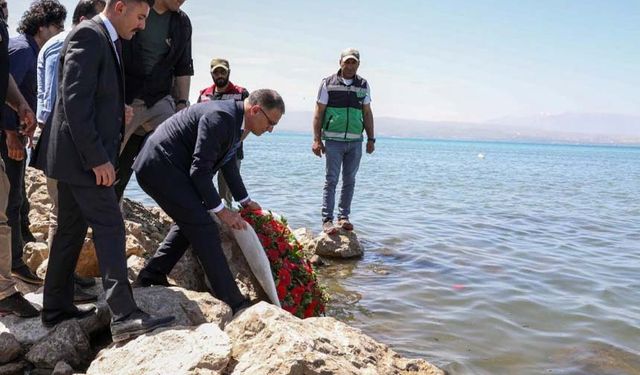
(525, 261)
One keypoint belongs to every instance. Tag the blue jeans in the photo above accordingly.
(345, 156)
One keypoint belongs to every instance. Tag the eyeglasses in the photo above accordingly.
(271, 122)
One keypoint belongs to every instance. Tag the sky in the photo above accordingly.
(471, 60)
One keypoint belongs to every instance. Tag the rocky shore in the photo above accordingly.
(205, 338)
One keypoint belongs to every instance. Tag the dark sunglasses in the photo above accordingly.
(271, 122)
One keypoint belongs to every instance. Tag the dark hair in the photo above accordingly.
(42, 13)
(267, 99)
(87, 9)
(150, 2)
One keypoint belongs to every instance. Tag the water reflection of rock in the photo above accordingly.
(600, 358)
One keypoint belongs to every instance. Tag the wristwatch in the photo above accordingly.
(182, 101)
(371, 140)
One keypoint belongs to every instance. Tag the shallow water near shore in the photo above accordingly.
(524, 261)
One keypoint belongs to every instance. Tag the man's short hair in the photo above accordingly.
(267, 99)
(42, 13)
(87, 9)
(149, 2)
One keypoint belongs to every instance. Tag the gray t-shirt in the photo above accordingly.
(154, 39)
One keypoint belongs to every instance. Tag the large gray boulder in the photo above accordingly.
(180, 350)
(26, 331)
(66, 342)
(343, 244)
(190, 308)
(9, 347)
(268, 340)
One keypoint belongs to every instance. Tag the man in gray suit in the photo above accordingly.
(81, 151)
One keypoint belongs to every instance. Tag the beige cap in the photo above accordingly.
(219, 63)
(350, 53)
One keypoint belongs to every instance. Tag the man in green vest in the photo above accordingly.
(343, 111)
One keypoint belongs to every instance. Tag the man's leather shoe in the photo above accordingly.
(136, 324)
(85, 282)
(50, 319)
(81, 296)
(16, 304)
(24, 273)
(146, 279)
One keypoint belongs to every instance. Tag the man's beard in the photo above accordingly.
(221, 82)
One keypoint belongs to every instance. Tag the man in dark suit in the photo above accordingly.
(176, 168)
(80, 154)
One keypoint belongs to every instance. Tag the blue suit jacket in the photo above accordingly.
(88, 118)
(198, 141)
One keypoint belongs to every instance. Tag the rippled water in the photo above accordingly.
(526, 261)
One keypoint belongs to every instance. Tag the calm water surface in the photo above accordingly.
(526, 261)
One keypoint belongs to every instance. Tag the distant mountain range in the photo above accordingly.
(580, 128)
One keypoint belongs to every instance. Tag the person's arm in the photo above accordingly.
(207, 152)
(181, 91)
(78, 86)
(15, 100)
(367, 115)
(318, 117)
(47, 77)
(183, 70)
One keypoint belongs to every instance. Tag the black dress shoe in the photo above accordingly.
(50, 318)
(16, 304)
(136, 324)
(147, 279)
(24, 273)
(246, 303)
(81, 296)
(85, 282)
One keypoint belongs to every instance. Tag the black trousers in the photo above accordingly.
(125, 161)
(80, 207)
(176, 195)
(15, 172)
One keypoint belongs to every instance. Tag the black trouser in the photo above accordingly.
(125, 161)
(176, 195)
(80, 207)
(15, 172)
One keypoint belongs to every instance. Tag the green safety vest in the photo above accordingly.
(343, 119)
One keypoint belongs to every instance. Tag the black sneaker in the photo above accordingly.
(85, 282)
(81, 296)
(136, 324)
(16, 304)
(50, 318)
(24, 273)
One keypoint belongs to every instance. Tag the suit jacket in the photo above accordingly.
(197, 141)
(88, 118)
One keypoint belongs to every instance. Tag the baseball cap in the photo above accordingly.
(219, 63)
(350, 53)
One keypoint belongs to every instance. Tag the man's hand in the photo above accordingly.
(251, 205)
(15, 147)
(371, 146)
(105, 174)
(232, 219)
(318, 148)
(128, 114)
(26, 116)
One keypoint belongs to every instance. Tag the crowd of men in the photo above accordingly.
(95, 131)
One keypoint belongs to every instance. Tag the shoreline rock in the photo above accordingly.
(206, 338)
